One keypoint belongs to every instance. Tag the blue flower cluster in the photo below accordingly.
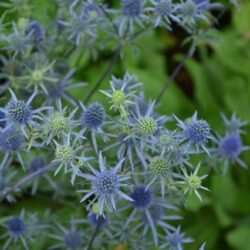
(133, 172)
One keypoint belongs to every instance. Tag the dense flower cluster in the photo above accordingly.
(132, 170)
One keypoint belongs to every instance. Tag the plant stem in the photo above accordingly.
(110, 19)
(188, 54)
(92, 239)
(26, 179)
(103, 76)
(174, 73)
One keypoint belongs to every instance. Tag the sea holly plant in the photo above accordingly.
(229, 146)
(106, 185)
(192, 182)
(116, 164)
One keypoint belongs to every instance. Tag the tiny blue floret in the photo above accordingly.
(142, 197)
(72, 240)
(94, 116)
(16, 226)
(36, 164)
(131, 8)
(10, 140)
(230, 146)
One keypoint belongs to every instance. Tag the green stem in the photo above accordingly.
(103, 76)
(92, 239)
(174, 74)
(26, 179)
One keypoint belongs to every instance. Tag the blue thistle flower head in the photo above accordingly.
(19, 230)
(16, 41)
(129, 83)
(72, 240)
(10, 140)
(18, 111)
(36, 164)
(83, 23)
(16, 226)
(233, 124)
(106, 183)
(35, 32)
(94, 116)
(141, 196)
(91, 10)
(190, 12)
(193, 10)
(2, 119)
(196, 131)
(166, 12)
(164, 8)
(68, 237)
(189, 9)
(176, 239)
(94, 220)
(131, 8)
(230, 146)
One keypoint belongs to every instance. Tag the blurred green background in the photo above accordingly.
(215, 80)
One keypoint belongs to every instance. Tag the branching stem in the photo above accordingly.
(26, 179)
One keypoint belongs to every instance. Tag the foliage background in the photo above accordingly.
(216, 80)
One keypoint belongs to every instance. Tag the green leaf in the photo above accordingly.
(223, 217)
(224, 192)
(239, 238)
